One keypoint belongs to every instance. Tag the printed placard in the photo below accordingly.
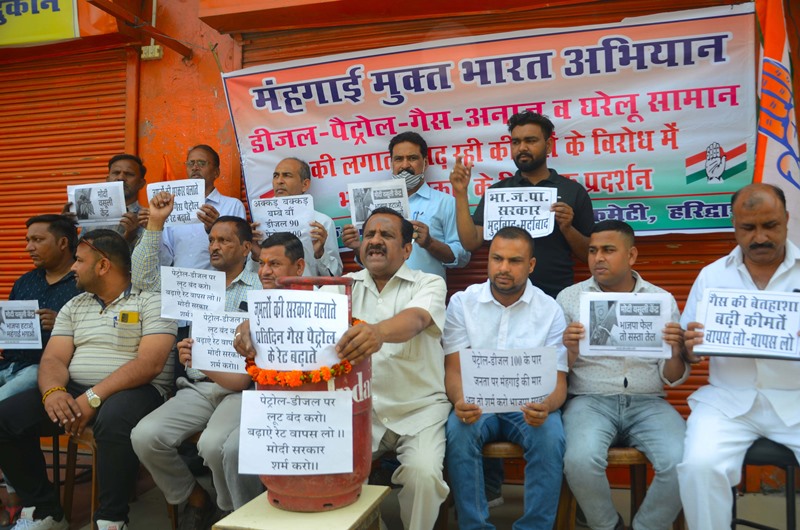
(185, 292)
(527, 208)
(285, 214)
(19, 325)
(749, 323)
(296, 330)
(505, 380)
(296, 433)
(97, 204)
(366, 196)
(625, 324)
(213, 341)
(189, 197)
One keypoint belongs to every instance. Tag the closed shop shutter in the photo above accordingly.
(61, 119)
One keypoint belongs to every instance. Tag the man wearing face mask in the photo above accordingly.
(433, 213)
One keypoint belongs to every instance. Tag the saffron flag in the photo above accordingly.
(168, 173)
(777, 158)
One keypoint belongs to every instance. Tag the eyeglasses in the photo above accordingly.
(199, 163)
(88, 244)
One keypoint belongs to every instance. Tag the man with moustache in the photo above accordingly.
(531, 143)
(433, 213)
(746, 398)
(105, 365)
(505, 312)
(619, 400)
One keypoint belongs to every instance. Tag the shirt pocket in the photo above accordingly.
(127, 337)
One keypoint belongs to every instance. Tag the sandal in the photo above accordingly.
(9, 516)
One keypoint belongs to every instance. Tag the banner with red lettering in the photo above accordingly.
(655, 116)
(778, 159)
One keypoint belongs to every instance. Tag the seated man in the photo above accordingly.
(620, 400)
(104, 365)
(506, 312)
(205, 401)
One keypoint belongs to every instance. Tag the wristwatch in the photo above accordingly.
(94, 399)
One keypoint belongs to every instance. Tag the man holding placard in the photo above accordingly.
(749, 395)
(531, 143)
(433, 213)
(129, 170)
(503, 314)
(617, 397)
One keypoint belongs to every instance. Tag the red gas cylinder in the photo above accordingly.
(319, 493)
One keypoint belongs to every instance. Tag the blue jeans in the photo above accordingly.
(13, 383)
(594, 423)
(544, 453)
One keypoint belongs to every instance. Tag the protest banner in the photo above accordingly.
(189, 197)
(296, 433)
(19, 325)
(100, 204)
(528, 208)
(213, 349)
(505, 380)
(185, 292)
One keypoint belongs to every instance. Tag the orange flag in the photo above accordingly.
(168, 173)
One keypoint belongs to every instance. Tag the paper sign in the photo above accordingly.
(296, 433)
(100, 204)
(19, 325)
(296, 330)
(185, 292)
(189, 197)
(285, 214)
(625, 324)
(213, 341)
(749, 323)
(527, 208)
(366, 196)
(505, 380)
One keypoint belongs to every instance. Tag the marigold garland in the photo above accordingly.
(295, 378)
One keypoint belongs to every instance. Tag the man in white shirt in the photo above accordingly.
(505, 312)
(746, 398)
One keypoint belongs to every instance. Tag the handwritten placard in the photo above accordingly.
(213, 341)
(285, 214)
(185, 292)
(505, 380)
(97, 204)
(625, 324)
(19, 325)
(296, 330)
(296, 433)
(366, 196)
(749, 323)
(189, 197)
(527, 208)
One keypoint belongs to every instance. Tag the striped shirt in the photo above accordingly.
(105, 338)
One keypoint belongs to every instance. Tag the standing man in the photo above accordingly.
(292, 176)
(129, 170)
(499, 314)
(433, 213)
(746, 398)
(531, 143)
(620, 400)
(105, 365)
(50, 242)
(206, 401)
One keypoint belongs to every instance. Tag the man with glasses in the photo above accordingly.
(105, 365)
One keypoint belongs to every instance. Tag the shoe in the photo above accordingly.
(9, 516)
(111, 525)
(27, 522)
(194, 518)
(494, 499)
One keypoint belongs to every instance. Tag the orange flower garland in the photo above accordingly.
(295, 378)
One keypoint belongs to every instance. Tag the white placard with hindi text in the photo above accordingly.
(189, 197)
(296, 433)
(185, 292)
(19, 325)
(505, 380)
(625, 324)
(749, 323)
(213, 349)
(296, 330)
(98, 204)
(366, 196)
(527, 208)
(285, 214)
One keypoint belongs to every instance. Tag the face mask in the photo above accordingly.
(412, 181)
